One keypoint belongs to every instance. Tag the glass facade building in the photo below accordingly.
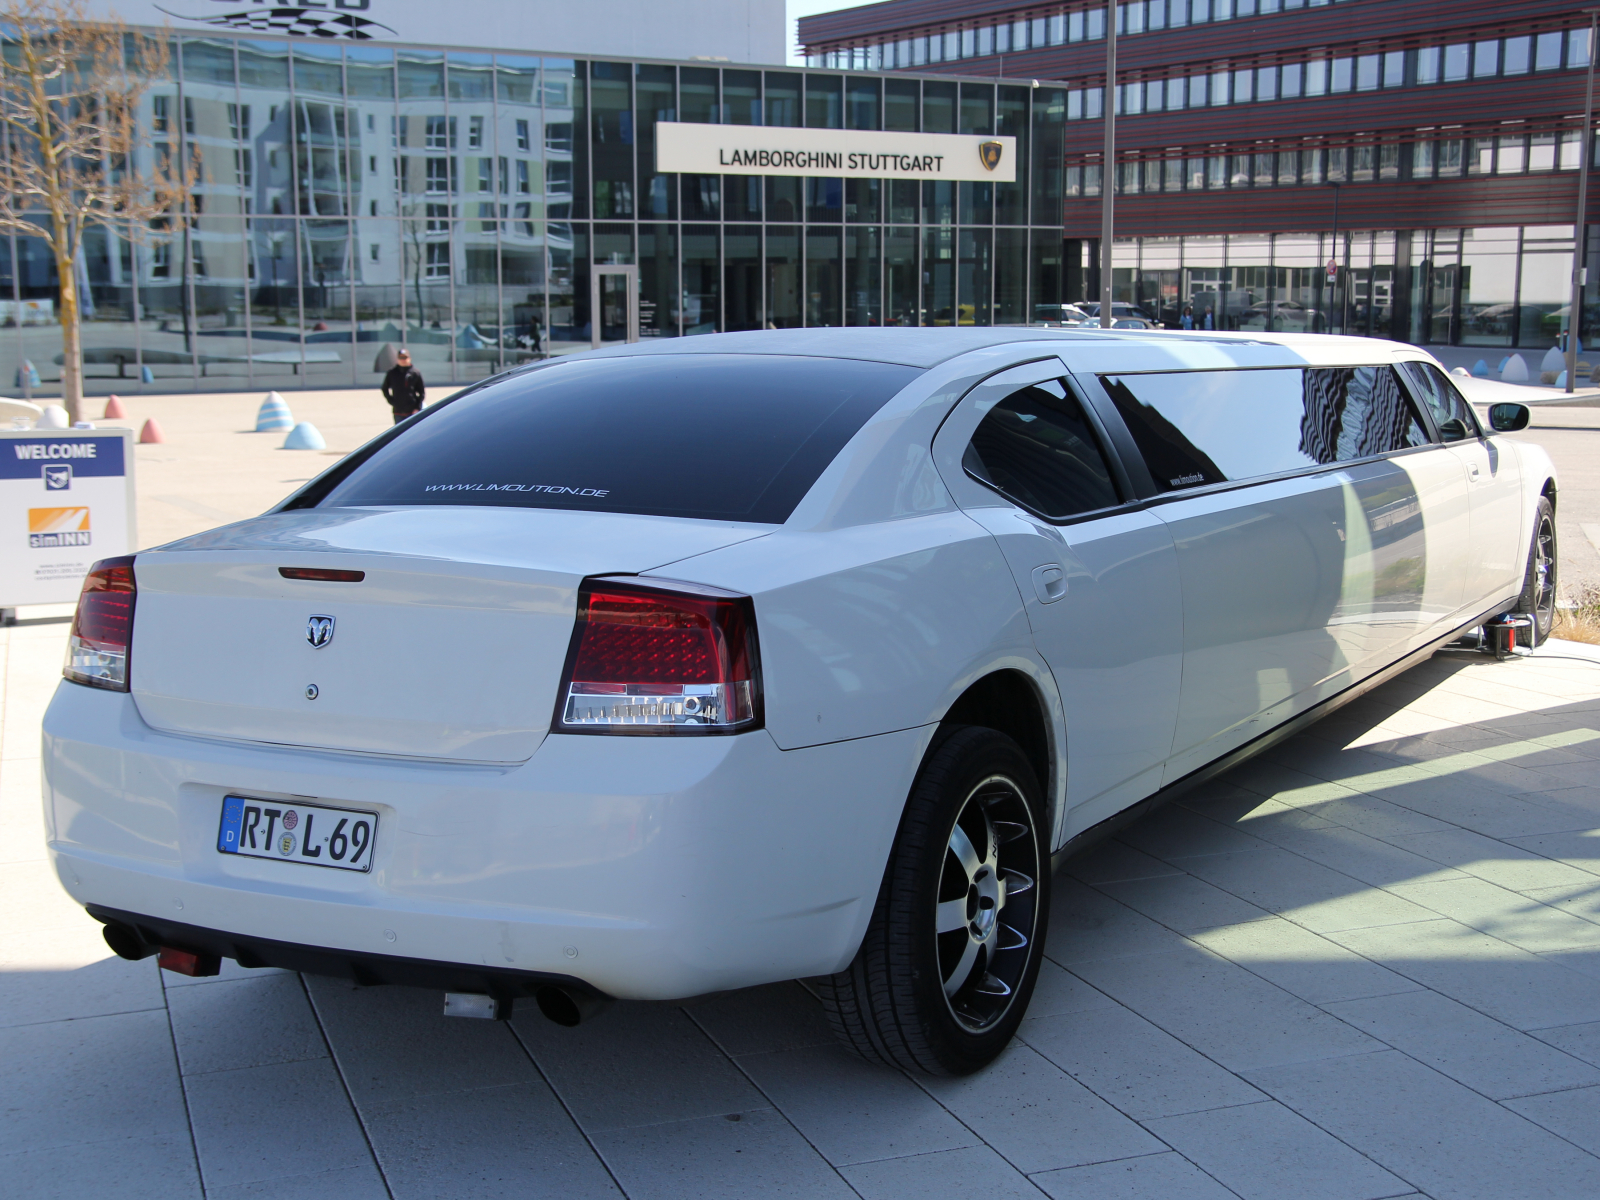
(360, 194)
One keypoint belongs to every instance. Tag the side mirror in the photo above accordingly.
(1508, 418)
(1452, 430)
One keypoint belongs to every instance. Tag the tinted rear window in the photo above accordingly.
(716, 436)
(1203, 427)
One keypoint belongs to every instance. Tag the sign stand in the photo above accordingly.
(66, 501)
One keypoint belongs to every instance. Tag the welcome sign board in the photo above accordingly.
(66, 500)
(697, 149)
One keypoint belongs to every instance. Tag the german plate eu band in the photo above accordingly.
(841, 153)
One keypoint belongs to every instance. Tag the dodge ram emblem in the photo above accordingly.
(319, 631)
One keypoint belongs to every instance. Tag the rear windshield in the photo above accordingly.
(721, 437)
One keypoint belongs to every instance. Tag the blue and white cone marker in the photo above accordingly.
(146, 375)
(1503, 363)
(1554, 359)
(1515, 370)
(304, 436)
(273, 415)
(1561, 380)
(53, 416)
(1480, 369)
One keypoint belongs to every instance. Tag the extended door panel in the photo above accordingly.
(1099, 582)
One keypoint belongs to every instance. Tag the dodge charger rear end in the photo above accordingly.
(666, 671)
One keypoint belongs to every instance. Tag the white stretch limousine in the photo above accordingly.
(704, 663)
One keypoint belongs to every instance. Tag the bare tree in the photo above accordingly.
(74, 154)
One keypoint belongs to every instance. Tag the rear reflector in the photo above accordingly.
(185, 963)
(322, 574)
(667, 658)
(102, 628)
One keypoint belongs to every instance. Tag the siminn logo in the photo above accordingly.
(50, 528)
(58, 479)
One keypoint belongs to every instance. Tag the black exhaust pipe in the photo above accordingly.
(569, 1007)
(126, 943)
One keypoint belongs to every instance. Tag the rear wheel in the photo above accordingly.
(949, 961)
(1539, 583)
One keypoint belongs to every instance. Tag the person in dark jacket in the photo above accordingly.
(403, 387)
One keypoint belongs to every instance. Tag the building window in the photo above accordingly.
(243, 168)
(523, 140)
(438, 174)
(438, 218)
(160, 122)
(441, 133)
(373, 251)
(524, 182)
(437, 262)
(486, 174)
(474, 133)
(239, 122)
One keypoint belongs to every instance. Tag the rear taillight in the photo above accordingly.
(667, 658)
(102, 628)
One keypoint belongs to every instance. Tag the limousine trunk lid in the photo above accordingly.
(449, 647)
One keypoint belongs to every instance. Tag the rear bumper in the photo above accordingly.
(644, 868)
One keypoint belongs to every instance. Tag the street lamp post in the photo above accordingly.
(1108, 164)
(1580, 230)
(1333, 258)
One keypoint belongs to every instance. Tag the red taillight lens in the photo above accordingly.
(674, 658)
(102, 628)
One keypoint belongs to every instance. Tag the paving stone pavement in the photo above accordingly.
(1364, 965)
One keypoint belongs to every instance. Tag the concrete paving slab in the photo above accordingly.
(1086, 924)
(1470, 1048)
(348, 1183)
(512, 1141)
(1573, 1115)
(1037, 1116)
(1167, 1176)
(729, 1157)
(394, 1043)
(1266, 1152)
(274, 1122)
(1114, 861)
(98, 1079)
(1307, 893)
(1438, 1135)
(974, 1171)
(1494, 977)
(850, 1110)
(128, 1168)
(66, 974)
(1510, 916)
(1231, 1016)
(1496, 860)
(1302, 963)
(244, 1023)
(1134, 1065)
(780, 1016)
(642, 1064)
(1184, 903)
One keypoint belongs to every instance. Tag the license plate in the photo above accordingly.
(301, 833)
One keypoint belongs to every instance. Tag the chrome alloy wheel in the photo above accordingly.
(986, 912)
(1544, 571)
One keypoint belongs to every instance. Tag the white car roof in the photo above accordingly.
(1086, 350)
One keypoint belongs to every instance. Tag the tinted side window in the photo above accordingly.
(1214, 426)
(724, 437)
(1036, 447)
(1442, 399)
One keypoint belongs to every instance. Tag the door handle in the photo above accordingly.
(1472, 471)
(1049, 583)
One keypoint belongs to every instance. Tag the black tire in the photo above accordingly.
(891, 1005)
(1538, 597)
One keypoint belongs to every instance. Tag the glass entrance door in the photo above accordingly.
(614, 303)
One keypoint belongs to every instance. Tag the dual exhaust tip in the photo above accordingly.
(563, 1005)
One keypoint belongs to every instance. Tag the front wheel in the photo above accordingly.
(948, 963)
(1539, 582)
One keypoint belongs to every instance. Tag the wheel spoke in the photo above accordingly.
(1016, 883)
(1010, 939)
(990, 986)
(958, 977)
(961, 847)
(1008, 831)
(951, 915)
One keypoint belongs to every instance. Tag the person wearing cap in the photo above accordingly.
(403, 387)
